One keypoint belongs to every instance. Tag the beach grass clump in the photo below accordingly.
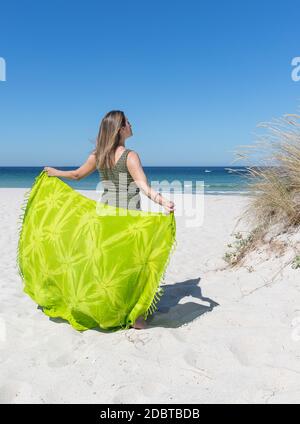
(240, 247)
(273, 181)
(296, 262)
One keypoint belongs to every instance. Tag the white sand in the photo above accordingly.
(225, 336)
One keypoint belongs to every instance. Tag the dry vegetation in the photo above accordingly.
(274, 185)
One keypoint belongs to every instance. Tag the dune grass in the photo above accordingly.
(273, 183)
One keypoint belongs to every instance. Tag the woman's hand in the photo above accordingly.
(169, 206)
(52, 172)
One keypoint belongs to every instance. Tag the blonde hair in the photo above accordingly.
(108, 138)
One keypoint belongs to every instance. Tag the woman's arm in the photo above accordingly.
(77, 174)
(136, 170)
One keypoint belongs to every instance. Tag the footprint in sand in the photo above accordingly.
(192, 359)
(244, 346)
(16, 392)
(62, 354)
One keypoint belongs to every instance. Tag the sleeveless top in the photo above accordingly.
(120, 190)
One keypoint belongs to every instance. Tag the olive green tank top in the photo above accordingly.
(120, 190)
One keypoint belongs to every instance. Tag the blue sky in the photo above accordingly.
(194, 78)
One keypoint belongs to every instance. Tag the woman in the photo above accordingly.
(120, 170)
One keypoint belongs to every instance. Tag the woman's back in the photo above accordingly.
(120, 190)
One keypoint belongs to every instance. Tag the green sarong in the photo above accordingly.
(81, 260)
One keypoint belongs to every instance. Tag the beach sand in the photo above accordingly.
(220, 335)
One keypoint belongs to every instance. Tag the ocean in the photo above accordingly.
(214, 179)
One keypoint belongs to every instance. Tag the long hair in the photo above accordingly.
(108, 138)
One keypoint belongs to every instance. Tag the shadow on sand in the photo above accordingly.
(170, 312)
